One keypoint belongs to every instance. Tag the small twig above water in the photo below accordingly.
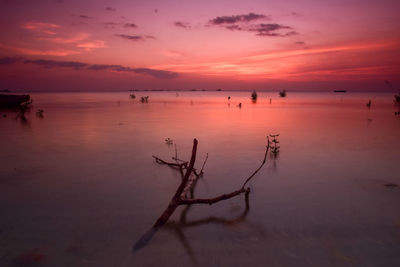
(39, 113)
(144, 99)
(169, 141)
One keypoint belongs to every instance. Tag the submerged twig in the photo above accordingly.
(204, 163)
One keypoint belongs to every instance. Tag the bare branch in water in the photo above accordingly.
(190, 177)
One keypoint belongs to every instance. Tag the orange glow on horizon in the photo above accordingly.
(284, 64)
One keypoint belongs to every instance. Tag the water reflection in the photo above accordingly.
(23, 120)
(85, 170)
(178, 227)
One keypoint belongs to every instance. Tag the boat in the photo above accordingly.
(339, 91)
(397, 98)
(282, 93)
(254, 96)
(13, 101)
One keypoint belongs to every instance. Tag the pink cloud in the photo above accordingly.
(88, 46)
(41, 27)
(66, 40)
(52, 33)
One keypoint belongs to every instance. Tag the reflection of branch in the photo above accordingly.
(187, 186)
(218, 220)
(178, 227)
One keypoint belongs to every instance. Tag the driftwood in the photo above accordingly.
(184, 194)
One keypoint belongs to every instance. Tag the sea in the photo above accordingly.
(79, 185)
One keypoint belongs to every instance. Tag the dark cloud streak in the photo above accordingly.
(130, 25)
(111, 24)
(8, 60)
(85, 17)
(237, 18)
(271, 30)
(150, 37)
(234, 28)
(244, 23)
(135, 37)
(131, 37)
(53, 63)
(160, 74)
(182, 24)
(295, 14)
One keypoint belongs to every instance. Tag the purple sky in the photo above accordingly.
(120, 45)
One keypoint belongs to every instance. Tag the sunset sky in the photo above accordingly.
(59, 45)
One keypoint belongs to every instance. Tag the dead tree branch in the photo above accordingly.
(190, 177)
(211, 201)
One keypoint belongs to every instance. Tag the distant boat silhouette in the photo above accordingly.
(282, 93)
(12, 101)
(397, 98)
(339, 91)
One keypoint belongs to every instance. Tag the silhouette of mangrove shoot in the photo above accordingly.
(144, 99)
(39, 113)
(282, 93)
(274, 144)
(132, 96)
(189, 176)
(369, 104)
(254, 96)
(22, 109)
(169, 141)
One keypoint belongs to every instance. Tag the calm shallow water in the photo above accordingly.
(79, 187)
